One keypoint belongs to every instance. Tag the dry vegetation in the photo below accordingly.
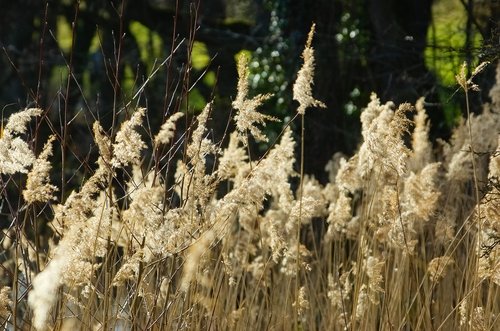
(412, 239)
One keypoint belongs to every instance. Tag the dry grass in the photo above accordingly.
(412, 239)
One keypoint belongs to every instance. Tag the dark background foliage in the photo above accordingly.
(87, 60)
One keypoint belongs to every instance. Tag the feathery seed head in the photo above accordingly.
(128, 145)
(247, 116)
(38, 187)
(302, 88)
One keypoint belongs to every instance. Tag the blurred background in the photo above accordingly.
(95, 59)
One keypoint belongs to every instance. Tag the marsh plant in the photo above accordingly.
(179, 232)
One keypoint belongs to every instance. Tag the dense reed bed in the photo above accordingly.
(173, 231)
